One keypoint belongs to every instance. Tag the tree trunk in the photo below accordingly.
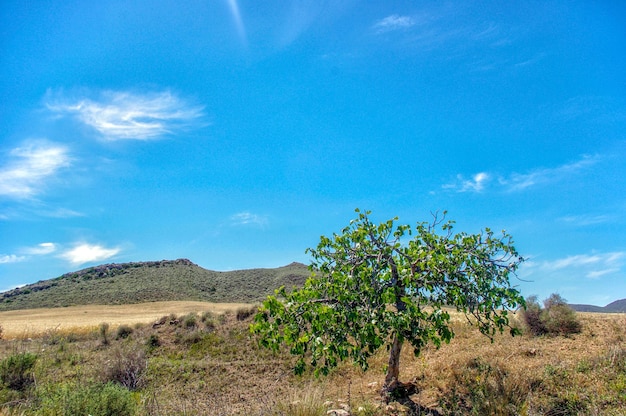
(393, 369)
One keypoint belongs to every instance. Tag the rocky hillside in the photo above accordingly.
(112, 284)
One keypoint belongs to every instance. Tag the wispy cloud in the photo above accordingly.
(27, 252)
(517, 182)
(27, 169)
(393, 22)
(585, 220)
(40, 249)
(120, 115)
(475, 184)
(87, 253)
(248, 218)
(241, 30)
(11, 258)
(590, 266)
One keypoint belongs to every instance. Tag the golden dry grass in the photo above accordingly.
(223, 371)
(34, 322)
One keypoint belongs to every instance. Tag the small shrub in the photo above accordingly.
(244, 313)
(16, 371)
(77, 399)
(127, 368)
(532, 317)
(555, 318)
(209, 320)
(153, 341)
(104, 333)
(190, 321)
(123, 332)
(1, 332)
(482, 388)
(561, 319)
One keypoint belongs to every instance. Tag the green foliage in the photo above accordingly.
(555, 318)
(77, 399)
(153, 342)
(16, 371)
(378, 285)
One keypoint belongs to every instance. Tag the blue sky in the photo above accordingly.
(235, 133)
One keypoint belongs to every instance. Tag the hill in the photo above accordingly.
(619, 306)
(167, 280)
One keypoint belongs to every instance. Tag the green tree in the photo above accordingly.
(381, 285)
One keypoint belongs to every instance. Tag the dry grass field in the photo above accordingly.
(31, 323)
(209, 364)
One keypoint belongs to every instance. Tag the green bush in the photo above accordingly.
(75, 399)
(209, 320)
(555, 318)
(190, 321)
(16, 371)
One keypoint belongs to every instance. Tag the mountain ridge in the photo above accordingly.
(618, 306)
(138, 282)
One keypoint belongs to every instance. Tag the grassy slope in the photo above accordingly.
(129, 283)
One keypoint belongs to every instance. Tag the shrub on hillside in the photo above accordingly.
(78, 399)
(127, 368)
(555, 318)
(104, 333)
(244, 313)
(123, 332)
(16, 371)
(190, 321)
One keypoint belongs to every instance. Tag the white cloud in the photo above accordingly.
(87, 253)
(248, 218)
(476, 184)
(41, 249)
(393, 22)
(591, 266)
(120, 115)
(522, 181)
(519, 182)
(11, 258)
(30, 166)
(584, 220)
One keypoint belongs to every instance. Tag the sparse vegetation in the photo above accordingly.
(222, 371)
(16, 371)
(555, 318)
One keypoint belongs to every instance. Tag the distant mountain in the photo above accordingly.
(618, 306)
(112, 284)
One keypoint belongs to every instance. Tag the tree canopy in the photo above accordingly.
(376, 285)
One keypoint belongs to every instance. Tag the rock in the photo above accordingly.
(338, 412)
